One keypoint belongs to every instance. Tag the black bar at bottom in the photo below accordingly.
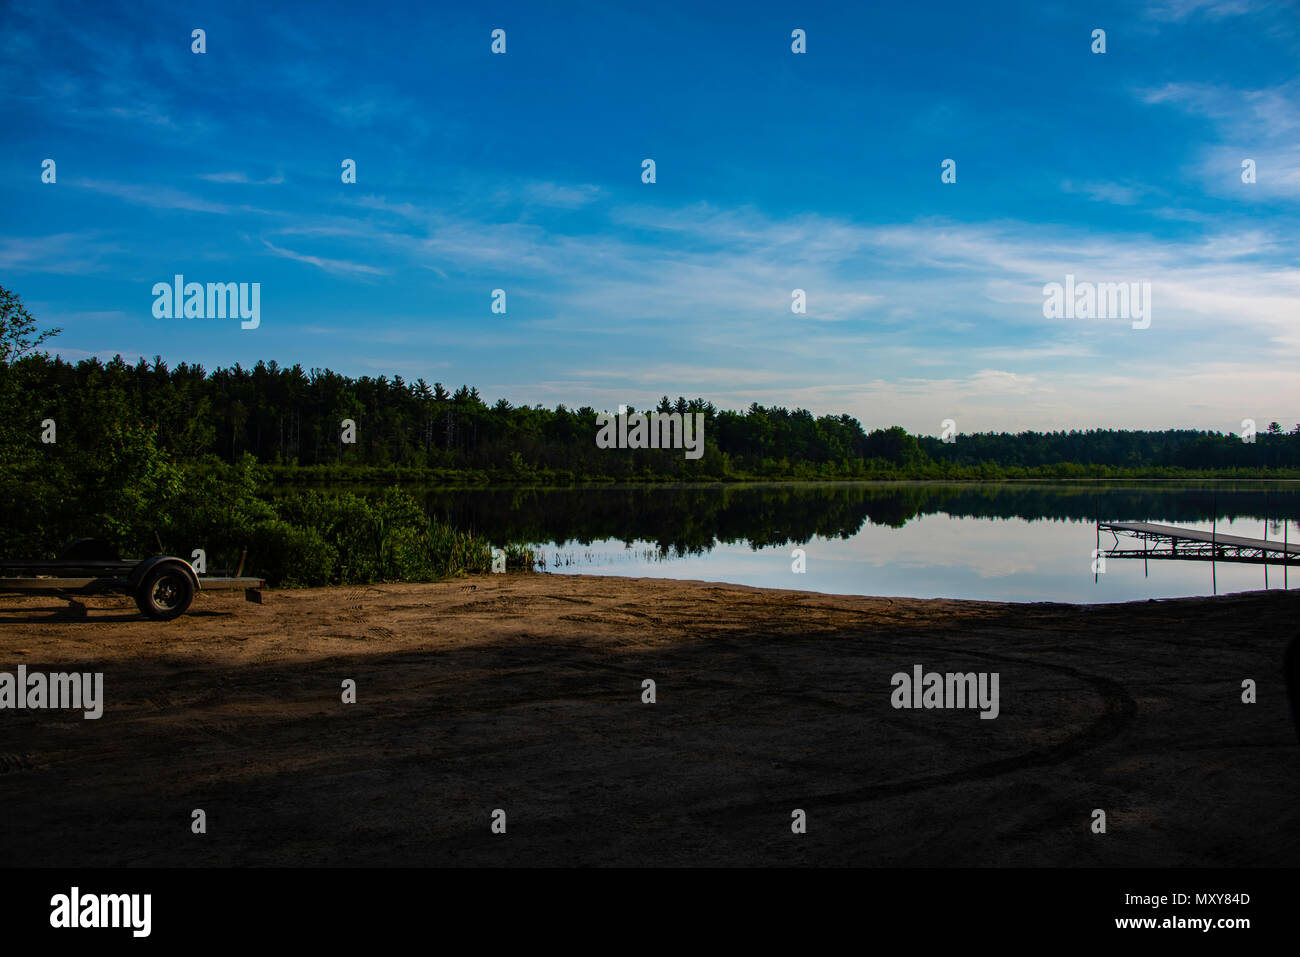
(968, 907)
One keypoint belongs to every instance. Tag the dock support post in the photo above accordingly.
(1096, 556)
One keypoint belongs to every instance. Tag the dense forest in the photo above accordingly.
(144, 453)
(292, 419)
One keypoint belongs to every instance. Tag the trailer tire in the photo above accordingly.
(164, 593)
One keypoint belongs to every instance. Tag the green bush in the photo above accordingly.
(284, 554)
(388, 537)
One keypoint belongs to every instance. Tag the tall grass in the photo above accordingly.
(349, 538)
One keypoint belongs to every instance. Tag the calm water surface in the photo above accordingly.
(1000, 542)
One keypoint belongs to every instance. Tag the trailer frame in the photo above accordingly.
(163, 586)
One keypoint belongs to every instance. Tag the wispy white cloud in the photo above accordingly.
(68, 254)
(1035, 353)
(156, 196)
(335, 266)
(733, 271)
(561, 196)
(236, 176)
(1260, 124)
(1120, 195)
(1212, 9)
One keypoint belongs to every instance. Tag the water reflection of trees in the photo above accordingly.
(691, 520)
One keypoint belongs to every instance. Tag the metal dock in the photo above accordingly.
(1193, 544)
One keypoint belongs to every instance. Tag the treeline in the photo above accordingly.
(291, 420)
(289, 417)
(1127, 449)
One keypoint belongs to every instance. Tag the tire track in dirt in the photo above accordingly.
(14, 763)
(1118, 711)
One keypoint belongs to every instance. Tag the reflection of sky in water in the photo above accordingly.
(937, 556)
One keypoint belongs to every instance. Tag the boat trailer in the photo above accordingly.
(163, 586)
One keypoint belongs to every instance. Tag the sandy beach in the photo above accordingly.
(524, 693)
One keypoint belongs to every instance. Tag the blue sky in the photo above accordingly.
(775, 171)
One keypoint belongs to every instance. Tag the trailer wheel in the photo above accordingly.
(165, 593)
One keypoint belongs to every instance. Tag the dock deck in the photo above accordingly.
(1173, 541)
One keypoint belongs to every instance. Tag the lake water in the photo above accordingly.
(1004, 542)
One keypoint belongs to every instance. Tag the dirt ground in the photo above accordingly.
(524, 693)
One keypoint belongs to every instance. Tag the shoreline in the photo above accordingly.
(282, 481)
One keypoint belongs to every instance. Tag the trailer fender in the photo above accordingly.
(149, 564)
